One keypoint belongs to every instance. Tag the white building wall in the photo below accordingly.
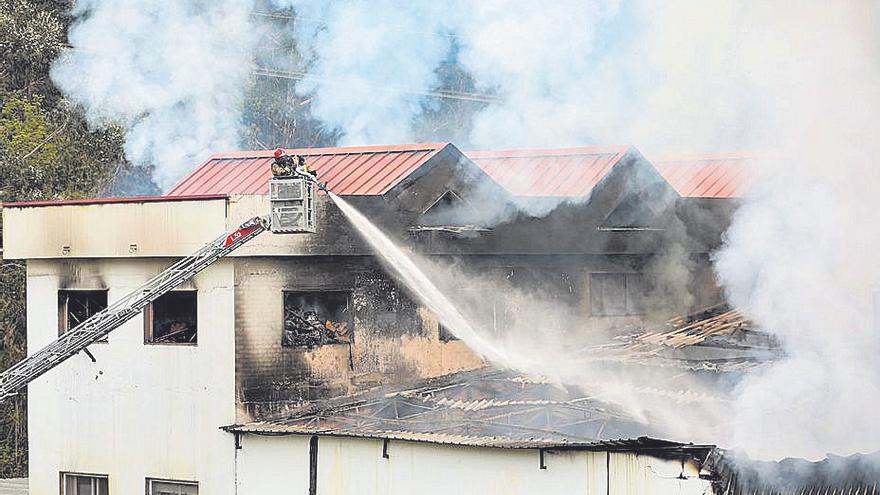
(140, 410)
(356, 466)
(127, 229)
(643, 474)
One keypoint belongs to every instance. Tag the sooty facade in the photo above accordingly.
(322, 316)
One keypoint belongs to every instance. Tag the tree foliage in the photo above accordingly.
(13, 412)
(274, 113)
(47, 151)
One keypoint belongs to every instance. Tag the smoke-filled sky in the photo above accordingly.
(172, 73)
(794, 84)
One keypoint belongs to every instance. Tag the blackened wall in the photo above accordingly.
(393, 339)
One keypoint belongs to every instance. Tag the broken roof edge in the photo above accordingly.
(641, 444)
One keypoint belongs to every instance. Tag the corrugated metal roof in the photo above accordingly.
(485, 408)
(561, 172)
(411, 436)
(366, 170)
(705, 176)
(494, 441)
(567, 172)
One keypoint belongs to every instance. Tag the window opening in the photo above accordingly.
(82, 484)
(164, 487)
(172, 319)
(317, 318)
(76, 306)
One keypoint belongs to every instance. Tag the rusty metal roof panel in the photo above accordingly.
(706, 176)
(567, 172)
(366, 170)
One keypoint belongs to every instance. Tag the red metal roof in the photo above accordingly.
(373, 170)
(100, 201)
(366, 170)
(705, 176)
(549, 172)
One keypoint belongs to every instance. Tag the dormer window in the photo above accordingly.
(449, 209)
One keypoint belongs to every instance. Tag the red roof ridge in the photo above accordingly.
(698, 157)
(538, 152)
(338, 150)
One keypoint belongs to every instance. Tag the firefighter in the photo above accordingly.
(286, 165)
(283, 165)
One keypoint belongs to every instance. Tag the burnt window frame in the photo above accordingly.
(632, 305)
(62, 480)
(63, 308)
(349, 302)
(149, 320)
(148, 490)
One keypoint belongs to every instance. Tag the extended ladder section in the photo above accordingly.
(102, 323)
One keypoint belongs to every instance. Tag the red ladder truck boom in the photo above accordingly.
(292, 211)
(100, 324)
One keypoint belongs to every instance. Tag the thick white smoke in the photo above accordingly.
(541, 58)
(801, 257)
(171, 72)
(372, 63)
(795, 84)
(565, 73)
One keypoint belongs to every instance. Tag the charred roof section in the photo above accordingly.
(736, 474)
(717, 338)
(486, 407)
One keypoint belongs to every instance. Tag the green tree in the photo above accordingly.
(274, 113)
(47, 151)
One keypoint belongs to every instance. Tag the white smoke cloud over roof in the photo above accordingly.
(172, 73)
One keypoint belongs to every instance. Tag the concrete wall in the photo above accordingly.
(136, 229)
(140, 410)
(356, 466)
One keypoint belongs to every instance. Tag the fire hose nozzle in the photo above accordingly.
(311, 176)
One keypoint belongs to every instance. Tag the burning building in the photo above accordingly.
(309, 338)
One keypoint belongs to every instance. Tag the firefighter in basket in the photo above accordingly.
(285, 165)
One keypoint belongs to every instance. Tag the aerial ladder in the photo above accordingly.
(292, 211)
